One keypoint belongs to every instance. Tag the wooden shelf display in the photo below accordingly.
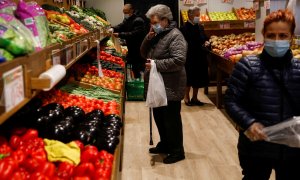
(33, 65)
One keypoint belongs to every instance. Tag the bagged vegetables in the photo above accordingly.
(18, 26)
(7, 6)
(33, 16)
(13, 41)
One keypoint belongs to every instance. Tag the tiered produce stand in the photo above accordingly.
(21, 87)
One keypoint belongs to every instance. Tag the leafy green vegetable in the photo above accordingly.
(6, 54)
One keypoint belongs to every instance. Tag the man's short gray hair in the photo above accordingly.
(161, 11)
(193, 9)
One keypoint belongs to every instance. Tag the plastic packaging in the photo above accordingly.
(7, 6)
(33, 17)
(18, 26)
(287, 132)
(156, 95)
(13, 41)
(55, 74)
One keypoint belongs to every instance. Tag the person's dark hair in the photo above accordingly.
(130, 6)
(280, 15)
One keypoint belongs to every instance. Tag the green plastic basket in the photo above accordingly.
(135, 91)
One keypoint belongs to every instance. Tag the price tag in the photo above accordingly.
(55, 57)
(249, 24)
(267, 4)
(188, 2)
(201, 2)
(78, 49)
(77, 2)
(13, 87)
(69, 55)
(256, 6)
(100, 73)
(227, 1)
(225, 25)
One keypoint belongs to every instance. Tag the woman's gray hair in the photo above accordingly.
(193, 9)
(161, 11)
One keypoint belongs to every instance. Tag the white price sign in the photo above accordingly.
(13, 87)
(249, 24)
(69, 55)
(55, 59)
(267, 4)
(224, 25)
(189, 2)
(256, 6)
(201, 2)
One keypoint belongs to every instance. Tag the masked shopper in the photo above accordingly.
(265, 90)
(196, 62)
(132, 29)
(167, 47)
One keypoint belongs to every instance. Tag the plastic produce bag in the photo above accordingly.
(156, 95)
(21, 28)
(33, 17)
(7, 6)
(13, 41)
(287, 132)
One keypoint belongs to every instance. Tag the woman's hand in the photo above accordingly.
(255, 133)
(148, 64)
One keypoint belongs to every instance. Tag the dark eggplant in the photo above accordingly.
(113, 117)
(53, 106)
(76, 112)
(84, 136)
(56, 115)
(59, 132)
(42, 122)
(112, 131)
(96, 113)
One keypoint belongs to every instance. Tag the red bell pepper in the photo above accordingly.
(38, 176)
(102, 174)
(14, 141)
(84, 169)
(81, 178)
(30, 164)
(79, 144)
(39, 154)
(30, 134)
(7, 167)
(5, 149)
(46, 168)
(65, 170)
(89, 154)
(18, 156)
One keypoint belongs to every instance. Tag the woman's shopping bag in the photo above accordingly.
(156, 95)
(287, 132)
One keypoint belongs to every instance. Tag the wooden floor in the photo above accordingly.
(209, 140)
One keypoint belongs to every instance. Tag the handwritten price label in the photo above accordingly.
(13, 87)
(249, 24)
(69, 55)
(224, 25)
(256, 6)
(267, 4)
(188, 2)
(201, 2)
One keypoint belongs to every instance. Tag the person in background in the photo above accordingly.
(264, 90)
(133, 31)
(196, 63)
(166, 46)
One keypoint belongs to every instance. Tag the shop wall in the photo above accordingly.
(217, 5)
(112, 8)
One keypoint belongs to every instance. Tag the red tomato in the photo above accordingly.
(79, 144)
(81, 178)
(38, 176)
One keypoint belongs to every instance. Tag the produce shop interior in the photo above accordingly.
(132, 90)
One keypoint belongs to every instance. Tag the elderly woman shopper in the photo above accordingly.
(264, 90)
(196, 62)
(167, 47)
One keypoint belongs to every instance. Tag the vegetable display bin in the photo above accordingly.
(135, 91)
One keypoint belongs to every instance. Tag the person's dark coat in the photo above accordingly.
(133, 31)
(254, 96)
(168, 50)
(196, 62)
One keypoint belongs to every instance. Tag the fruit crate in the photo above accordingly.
(212, 19)
(238, 14)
